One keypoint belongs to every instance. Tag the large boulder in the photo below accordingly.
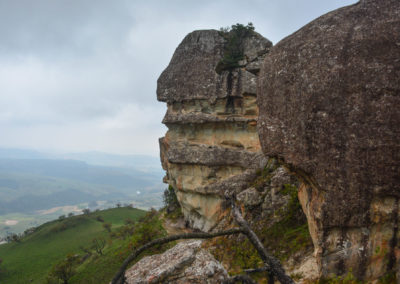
(329, 102)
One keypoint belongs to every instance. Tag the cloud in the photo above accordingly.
(81, 75)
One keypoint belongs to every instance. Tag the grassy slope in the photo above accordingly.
(33, 258)
(100, 269)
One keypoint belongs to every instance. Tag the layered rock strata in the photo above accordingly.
(212, 143)
(329, 109)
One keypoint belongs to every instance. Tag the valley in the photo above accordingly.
(36, 188)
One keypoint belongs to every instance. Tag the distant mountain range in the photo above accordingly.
(139, 162)
(31, 180)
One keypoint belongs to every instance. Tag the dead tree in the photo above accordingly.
(272, 265)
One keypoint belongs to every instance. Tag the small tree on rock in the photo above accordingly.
(234, 46)
(170, 200)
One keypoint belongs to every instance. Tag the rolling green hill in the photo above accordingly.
(31, 259)
(34, 191)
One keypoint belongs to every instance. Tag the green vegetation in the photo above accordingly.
(171, 204)
(34, 191)
(64, 270)
(239, 254)
(389, 277)
(345, 279)
(234, 46)
(290, 234)
(264, 176)
(349, 278)
(97, 269)
(284, 238)
(44, 253)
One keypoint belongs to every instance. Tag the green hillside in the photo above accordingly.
(31, 260)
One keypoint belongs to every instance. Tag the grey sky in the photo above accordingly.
(79, 75)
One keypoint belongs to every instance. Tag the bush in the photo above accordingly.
(234, 46)
(98, 244)
(29, 231)
(59, 228)
(107, 227)
(148, 229)
(13, 238)
(170, 200)
(86, 211)
(64, 270)
(129, 221)
(100, 219)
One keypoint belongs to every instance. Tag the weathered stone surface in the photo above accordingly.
(280, 177)
(250, 197)
(274, 201)
(255, 46)
(187, 262)
(201, 154)
(329, 108)
(191, 73)
(212, 145)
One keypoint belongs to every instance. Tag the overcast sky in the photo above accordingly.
(80, 75)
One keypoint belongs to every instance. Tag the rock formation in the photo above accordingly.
(329, 110)
(212, 143)
(186, 262)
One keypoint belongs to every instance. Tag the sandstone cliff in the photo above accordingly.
(329, 109)
(212, 143)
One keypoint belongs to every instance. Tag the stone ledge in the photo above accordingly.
(189, 153)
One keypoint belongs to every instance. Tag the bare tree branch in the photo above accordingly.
(119, 276)
(272, 265)
(270, 261)
(255, 270)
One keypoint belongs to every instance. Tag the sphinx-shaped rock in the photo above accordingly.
(212, 143)
(329, 109)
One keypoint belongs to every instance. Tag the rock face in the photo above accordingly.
(212, 143)
(329, 100)
(187, 262)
